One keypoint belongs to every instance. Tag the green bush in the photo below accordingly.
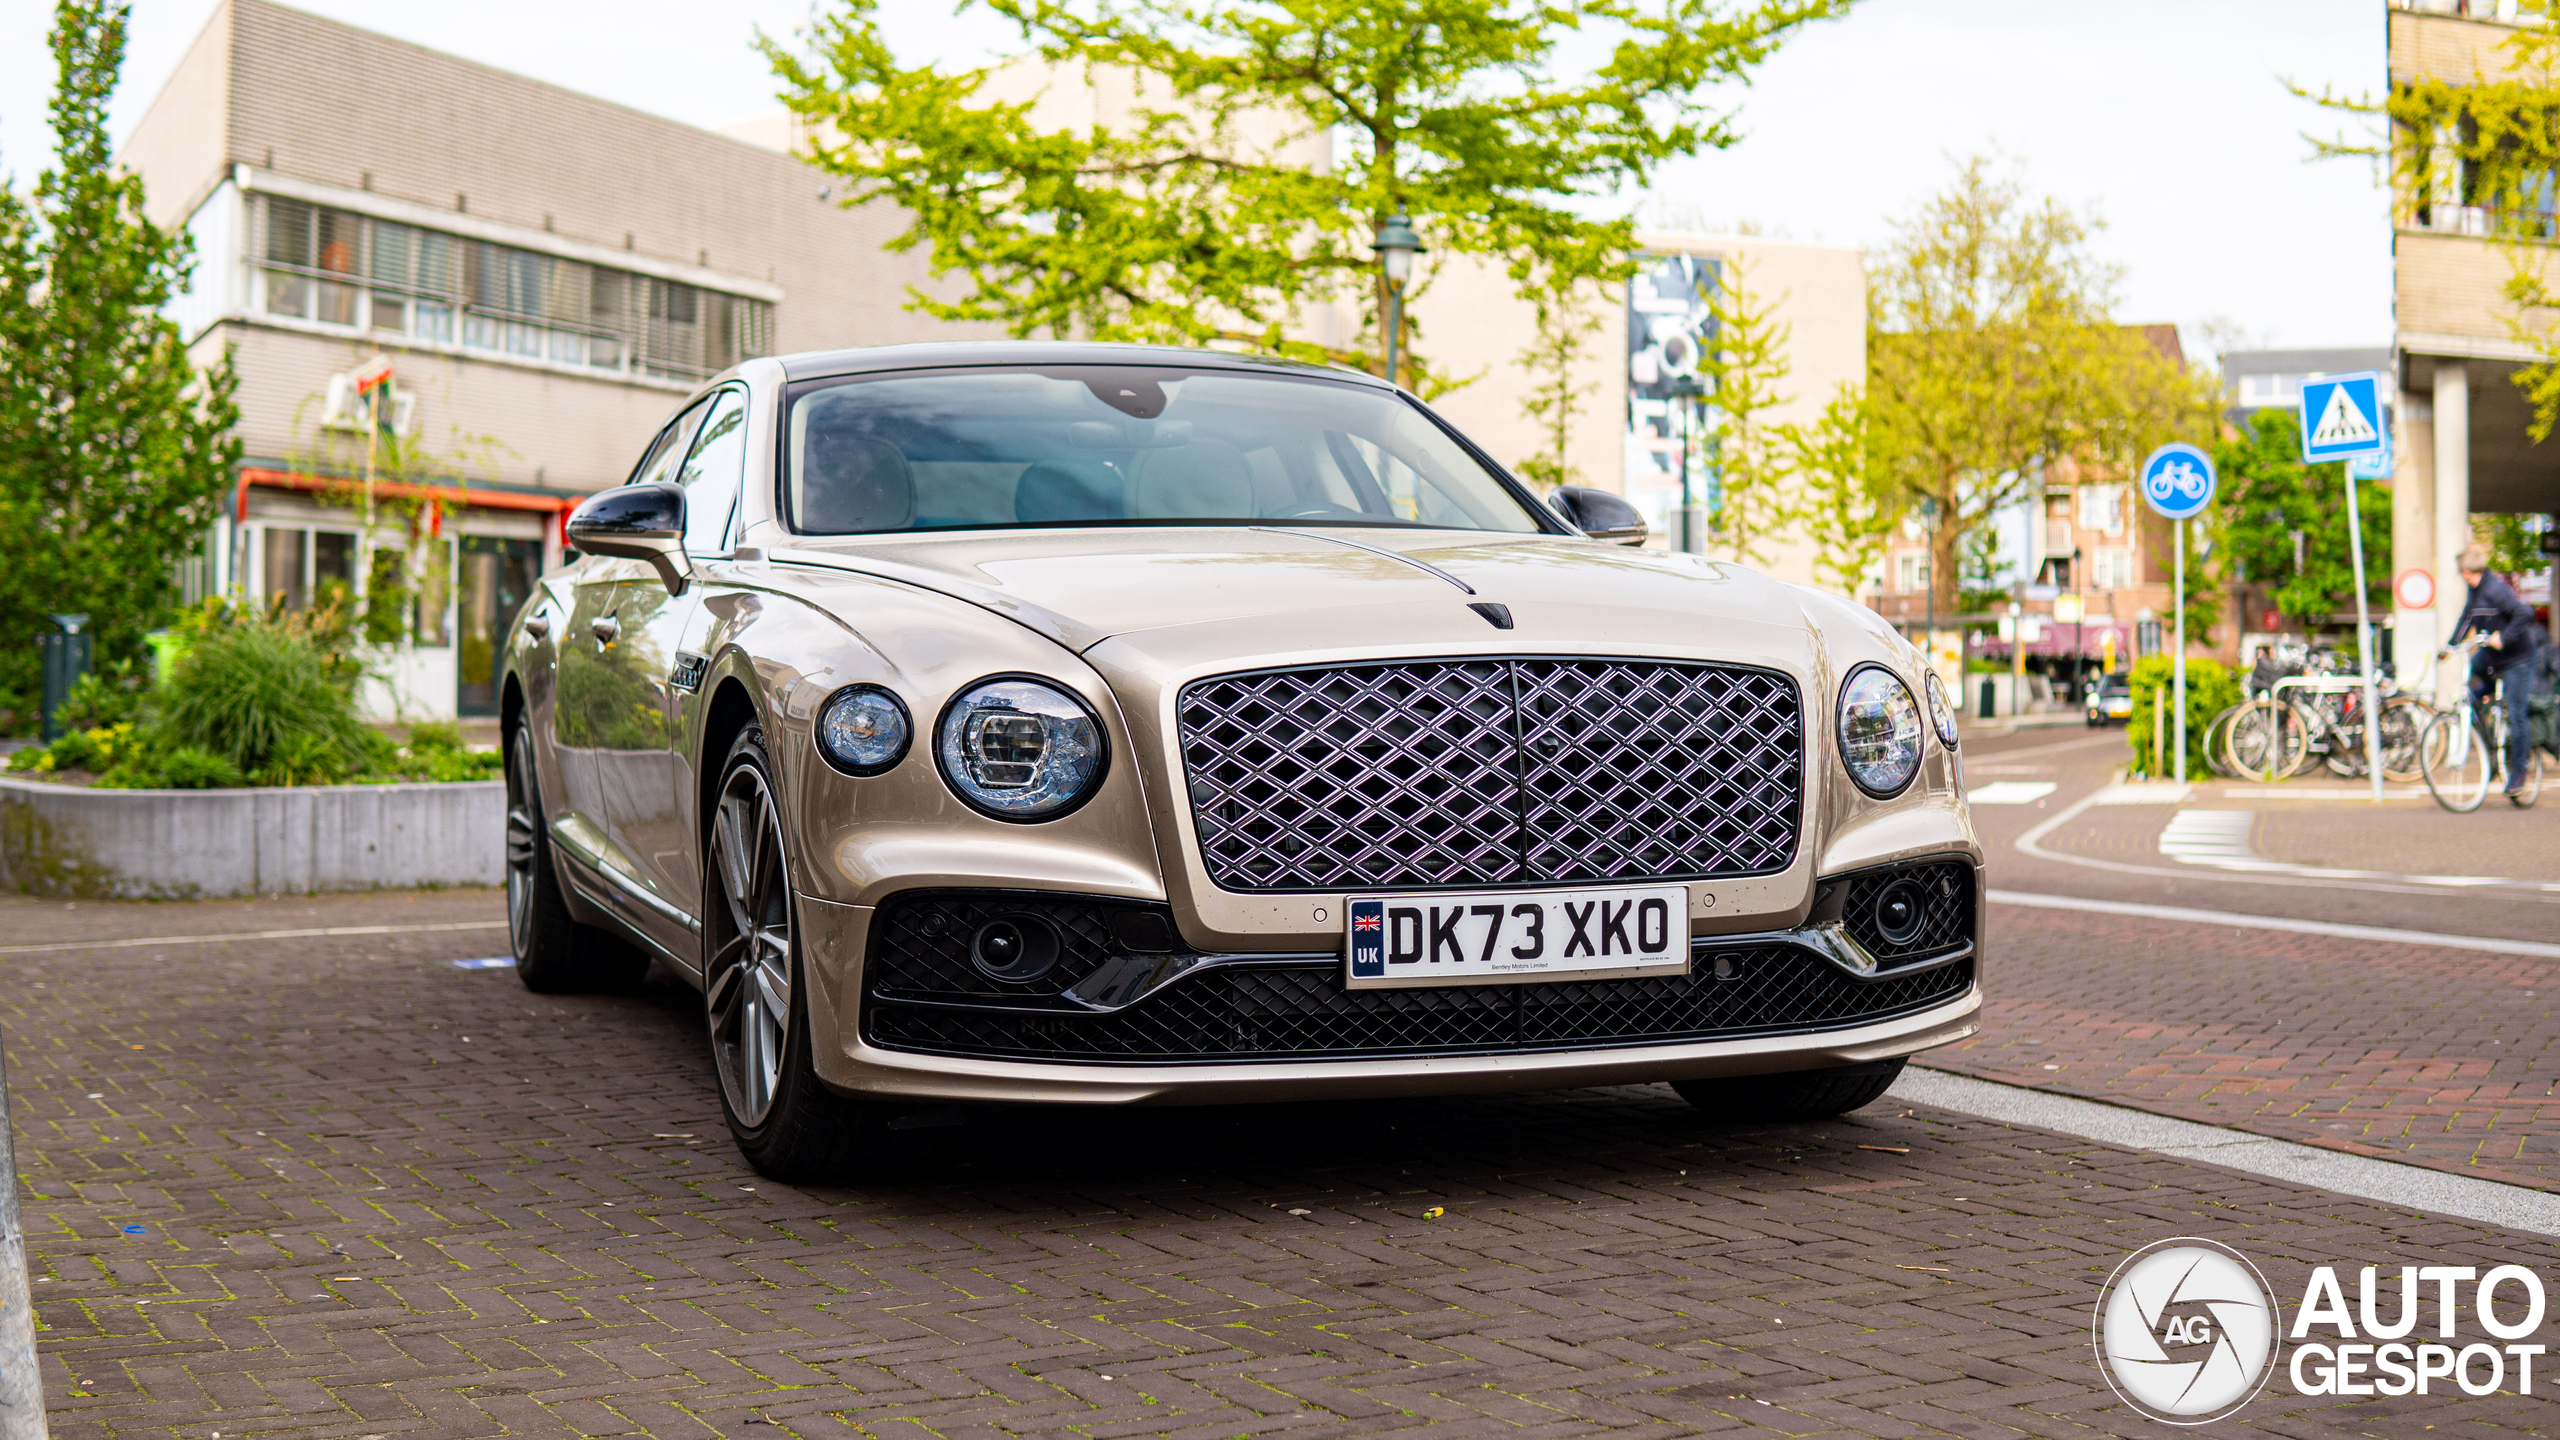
(263, 697)
(181, 768)
(252, 700)
(2211, 689)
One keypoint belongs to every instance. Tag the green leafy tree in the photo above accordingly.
(1990, 353)
(2515, 546)
(1264, 141)
(1743, 364)
(2281, 523)
(115, 449)
(1845, 501)
(1567, 319)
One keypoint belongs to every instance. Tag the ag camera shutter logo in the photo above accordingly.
(2185, 1331)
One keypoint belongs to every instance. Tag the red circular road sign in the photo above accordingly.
(2415, 589)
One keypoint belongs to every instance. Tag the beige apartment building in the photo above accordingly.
(546, 274)
(2462, 445)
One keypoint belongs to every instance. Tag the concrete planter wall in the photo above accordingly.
(201, 844)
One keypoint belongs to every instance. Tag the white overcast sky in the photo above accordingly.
(2168, 119)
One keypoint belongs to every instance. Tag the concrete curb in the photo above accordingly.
(58, 840)
(21, 1384)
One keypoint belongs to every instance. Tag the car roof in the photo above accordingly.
(946, 354)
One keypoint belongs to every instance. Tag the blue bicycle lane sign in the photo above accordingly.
(2177, 480)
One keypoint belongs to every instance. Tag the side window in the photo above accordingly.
(712, 474)
(668, 448)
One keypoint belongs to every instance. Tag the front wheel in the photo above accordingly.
(755, 1001)
(1791, 1098)
(2454, 759)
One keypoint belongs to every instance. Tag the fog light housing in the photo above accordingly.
(1014, 948)
(1901, 912)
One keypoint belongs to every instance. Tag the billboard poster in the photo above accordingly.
(1668, 325)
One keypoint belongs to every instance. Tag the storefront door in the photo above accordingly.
(496, 579)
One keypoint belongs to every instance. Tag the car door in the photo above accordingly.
(648, 791)
(593, 700)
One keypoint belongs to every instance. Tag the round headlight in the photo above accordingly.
(1020, 749)
(1941, 713)
(863, 730)
(1879, 731)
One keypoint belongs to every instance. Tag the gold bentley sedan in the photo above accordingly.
(1097, 724)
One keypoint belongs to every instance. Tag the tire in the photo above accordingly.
(2217, 742)
(2268, 740)
(755, 996)
(2404, 723)
(555, 955)
(2455, 762)
(1791, 1098)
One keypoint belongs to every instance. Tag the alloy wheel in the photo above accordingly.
(523, 833)
(747, 992)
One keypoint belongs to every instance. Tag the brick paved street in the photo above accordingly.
(333, 1186)
(2444, 1057)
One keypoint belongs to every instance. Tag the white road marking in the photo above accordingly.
(143, 941)
(2338, 930)
(2010, 792)
(2209, 837)
(2515, 1207)
(2258, 872)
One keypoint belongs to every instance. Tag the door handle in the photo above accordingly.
(604, 628)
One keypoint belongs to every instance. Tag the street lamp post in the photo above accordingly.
(2079, 630)
(1686, 392)
(1396, 245)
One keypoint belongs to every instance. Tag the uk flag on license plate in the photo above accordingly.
(1368, 939)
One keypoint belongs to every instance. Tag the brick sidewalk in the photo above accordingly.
(2447, 1058)
(338, 1188)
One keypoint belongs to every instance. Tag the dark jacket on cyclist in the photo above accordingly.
(2493, 608)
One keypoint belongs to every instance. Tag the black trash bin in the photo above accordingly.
(66, 655)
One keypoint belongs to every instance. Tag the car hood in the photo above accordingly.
(1236, 592)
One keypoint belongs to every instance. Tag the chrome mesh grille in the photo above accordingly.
(1479, 772)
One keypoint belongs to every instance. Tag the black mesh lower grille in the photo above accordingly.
(1300, 1010)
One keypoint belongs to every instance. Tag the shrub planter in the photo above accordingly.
(64, 840)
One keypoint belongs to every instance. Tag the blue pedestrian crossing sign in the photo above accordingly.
(2177, 480)
(2342, 417)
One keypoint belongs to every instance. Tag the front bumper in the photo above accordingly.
(1118, 1020)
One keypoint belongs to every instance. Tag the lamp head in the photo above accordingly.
(1396, 244)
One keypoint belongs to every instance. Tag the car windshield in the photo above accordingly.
(1097, 445)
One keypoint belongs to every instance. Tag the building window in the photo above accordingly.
(2111, 569)
(338, 268)
(299, 567)
(1910, 573)
(2102, 508)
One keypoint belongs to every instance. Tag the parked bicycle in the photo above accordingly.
(2308, 701)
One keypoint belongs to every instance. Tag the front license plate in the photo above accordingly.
(1496, 936)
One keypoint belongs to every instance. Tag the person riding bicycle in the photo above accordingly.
(2505, 625)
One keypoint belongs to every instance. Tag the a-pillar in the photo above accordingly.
(2452, 499)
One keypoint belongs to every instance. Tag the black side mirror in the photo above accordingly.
(636, 522)
(1600, 515)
